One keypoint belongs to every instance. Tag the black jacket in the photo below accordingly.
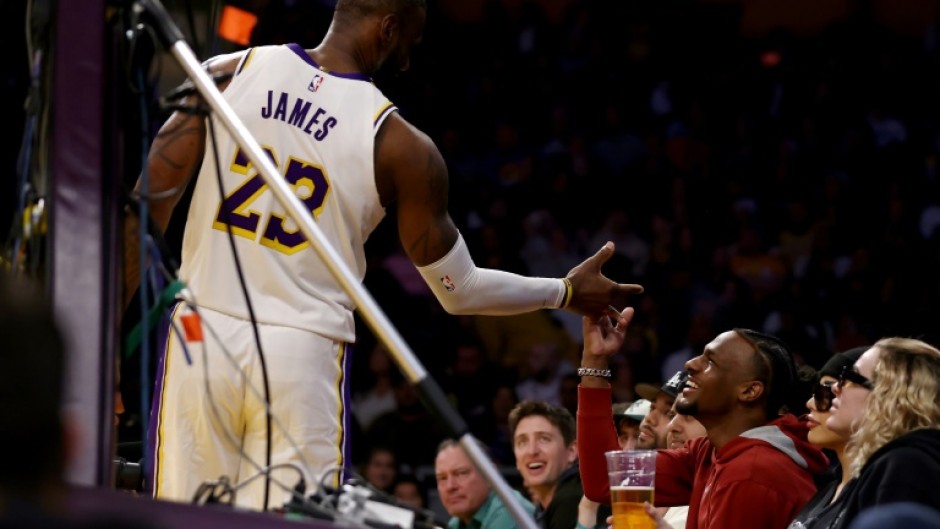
(905, 469)
(562, 511)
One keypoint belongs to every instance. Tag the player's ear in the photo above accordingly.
(389, 27)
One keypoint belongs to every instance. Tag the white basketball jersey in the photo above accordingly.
(319, 129)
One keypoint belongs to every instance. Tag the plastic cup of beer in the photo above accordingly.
(632, 476)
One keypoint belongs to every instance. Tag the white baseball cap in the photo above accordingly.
(638, 410)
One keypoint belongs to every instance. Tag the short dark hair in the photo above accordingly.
(360, 8)
(408, 477)
(558, 416)
(774, 367)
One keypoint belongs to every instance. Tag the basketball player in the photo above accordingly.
(347, 154)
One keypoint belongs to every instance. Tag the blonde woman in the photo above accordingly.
(889, 402)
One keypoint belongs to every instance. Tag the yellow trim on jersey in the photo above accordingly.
(341, 375)
(244, 66)
(166, 369)
(381, 111)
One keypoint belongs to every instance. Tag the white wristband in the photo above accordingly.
(462, 288)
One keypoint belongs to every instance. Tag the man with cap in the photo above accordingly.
(627, 419)
(656, 423)
(753, 469)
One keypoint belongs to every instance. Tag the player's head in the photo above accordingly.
(392, 27)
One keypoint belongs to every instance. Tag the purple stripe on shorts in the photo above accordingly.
(347, 415)
(150, 442)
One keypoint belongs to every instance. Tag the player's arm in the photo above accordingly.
(177, 150)
(411, 171)
(175, 156)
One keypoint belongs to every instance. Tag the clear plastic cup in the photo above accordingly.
(632, 475)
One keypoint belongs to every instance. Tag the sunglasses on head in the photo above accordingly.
(822, 396)
(850, 375)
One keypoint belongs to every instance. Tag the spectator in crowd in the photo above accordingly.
(379, 395)
(469, 380)
(492, 428)
(466, 495)
(381, 468)
(825, 506)
(395, 429)
(546, 456)
(889, 402)
(409, 491)
(682, 428)
(627, 420)
(655, 425)
(546, 370)
(753, 468)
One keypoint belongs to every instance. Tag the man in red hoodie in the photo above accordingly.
(754, 468)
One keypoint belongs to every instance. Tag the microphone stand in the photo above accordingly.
(430, 392)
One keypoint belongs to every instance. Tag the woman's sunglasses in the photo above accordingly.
(850, 375)
(822, 396)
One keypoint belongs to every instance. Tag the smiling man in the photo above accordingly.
(545, 447)
(753, 469)
(654, 427)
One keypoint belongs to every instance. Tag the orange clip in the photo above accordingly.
(192, 326)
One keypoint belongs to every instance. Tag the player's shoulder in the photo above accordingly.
(226, 62)
(404, 137)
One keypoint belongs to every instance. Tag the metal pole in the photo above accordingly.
(374, 316)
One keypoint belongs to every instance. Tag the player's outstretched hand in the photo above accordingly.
(593, 293)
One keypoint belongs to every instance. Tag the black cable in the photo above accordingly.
(144, 216)
(251, 314)
(301, 485)
(191, 21)
(212, 33)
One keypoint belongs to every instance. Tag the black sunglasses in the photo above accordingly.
(822, 396)
(854, 377)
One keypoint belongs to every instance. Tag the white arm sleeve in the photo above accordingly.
(462, 288)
